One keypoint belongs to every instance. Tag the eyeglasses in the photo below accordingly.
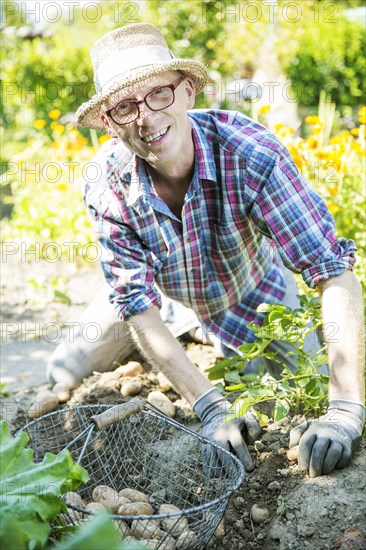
(158, 99)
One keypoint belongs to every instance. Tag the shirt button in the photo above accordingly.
(189, 239)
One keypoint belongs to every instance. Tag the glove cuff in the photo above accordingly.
(207, 402)
(351, 407)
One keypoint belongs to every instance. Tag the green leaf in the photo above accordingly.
(281, 409)
(263, 308)
(218, 370)
(236, 387)
(62, 297)
(220, 386)
(232, 377)
(30, 493)
(263, 419)
(97, 534)
(250, 377)
(302, 382)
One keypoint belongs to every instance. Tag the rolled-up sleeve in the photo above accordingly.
(286, 208)
(128, 266)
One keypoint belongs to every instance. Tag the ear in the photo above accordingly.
(190, 91)
(107, 125)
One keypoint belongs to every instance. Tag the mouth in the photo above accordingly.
(153, 138)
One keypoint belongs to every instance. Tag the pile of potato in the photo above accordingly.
(130, 502)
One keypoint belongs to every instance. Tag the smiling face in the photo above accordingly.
(159, 137)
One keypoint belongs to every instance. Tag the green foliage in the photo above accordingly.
(328, 55)
(97, 534)
(31, 492)
(303, 390)
(3, 391)
(41, 75)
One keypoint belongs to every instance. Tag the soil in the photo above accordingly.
(304, 513)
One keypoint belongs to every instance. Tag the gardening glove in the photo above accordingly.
(212, 409)
(329, 442)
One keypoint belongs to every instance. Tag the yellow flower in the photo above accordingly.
(316, 129)
(56, 127)
(355, 131)
(278, 126)
(362, 114)
(360, 150)
(312, 143)
(103, 139)
(264, 109)
(60, 129)
(62, 186)
(333, 208)
(39, 123)
(54, 114)
(333, 190)
(313, 119)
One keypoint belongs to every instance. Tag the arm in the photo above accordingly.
(342, 306)
(285, 207)
(329, 442)
(165, 352)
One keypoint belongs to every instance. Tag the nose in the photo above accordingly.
(146, 115)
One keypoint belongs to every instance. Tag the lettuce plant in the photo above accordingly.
(30, 493)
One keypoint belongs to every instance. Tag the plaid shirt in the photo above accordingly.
(246, 202)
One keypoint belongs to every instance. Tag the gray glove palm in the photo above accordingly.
(329, 442)
(212, 409)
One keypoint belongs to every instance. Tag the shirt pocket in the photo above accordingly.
(227, 250)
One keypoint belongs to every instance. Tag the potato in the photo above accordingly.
(74, 499)
(186, 540)
(107, 496)
(292, 453)
(131, 388)
(136, 509)
(74, 518)
(259, 514)
(161, 402)
(164, 383)
(122, 528)
(45, 402)
(123, 500)
(94, 507)
(167, 544)
(175, 525)
(62, 392)
(133, 368)
(220, 530)
(146, 529)
(133, 495)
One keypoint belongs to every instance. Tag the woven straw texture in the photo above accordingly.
(122, 40)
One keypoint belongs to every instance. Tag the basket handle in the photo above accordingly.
(117, 413)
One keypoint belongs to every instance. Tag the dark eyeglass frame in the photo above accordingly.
(172, 86)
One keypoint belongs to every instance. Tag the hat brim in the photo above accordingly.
(88, 114)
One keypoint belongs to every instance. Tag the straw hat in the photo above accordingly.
(127, 56)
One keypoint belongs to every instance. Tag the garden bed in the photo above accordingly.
(322, 513)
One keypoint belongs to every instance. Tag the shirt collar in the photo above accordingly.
(204, 153)
(135, 170)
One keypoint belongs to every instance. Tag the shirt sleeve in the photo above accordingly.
(128, 266)
(286, 208)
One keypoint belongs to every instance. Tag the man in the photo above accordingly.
(190, 201)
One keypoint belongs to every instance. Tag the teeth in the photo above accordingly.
(154, 137)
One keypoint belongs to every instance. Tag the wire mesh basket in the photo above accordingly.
(134, 445)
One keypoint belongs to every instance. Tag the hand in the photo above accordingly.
(329, 442)
(212, 409)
